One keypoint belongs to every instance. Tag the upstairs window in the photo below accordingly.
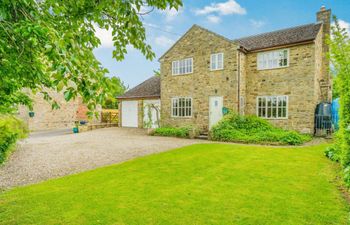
(181, 107)
(273, 59)
(217, 61)
(272, 107)
(181, 67)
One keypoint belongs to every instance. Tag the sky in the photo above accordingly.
(230, 18)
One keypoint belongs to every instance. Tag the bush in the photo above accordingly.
(334, 152)
(183, 132)
(252, 129)
(11, 129)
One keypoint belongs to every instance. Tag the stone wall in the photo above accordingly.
(324, 16)
(296, 81)
(199, 44)
(46, 119)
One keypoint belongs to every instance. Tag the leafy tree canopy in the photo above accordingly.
(116, 87)
(340, 56)
(47, 44)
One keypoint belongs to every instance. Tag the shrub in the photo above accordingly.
(334, 152)
(252, 129)
(11, 129)
(183, 132)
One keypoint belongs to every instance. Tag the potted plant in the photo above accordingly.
(76, 128)
(31, 114)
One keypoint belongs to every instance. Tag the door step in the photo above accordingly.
(202, 137)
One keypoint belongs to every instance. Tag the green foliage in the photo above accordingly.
(49, 45)
(11, 129)
(252, 129)
(183, 132)
(340, 57)
(334, 152)
(116, 87)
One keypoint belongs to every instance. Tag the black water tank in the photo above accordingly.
(323, 116)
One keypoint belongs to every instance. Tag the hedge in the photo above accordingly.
(11, 129)
(183, 132)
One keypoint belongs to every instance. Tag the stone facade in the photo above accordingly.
(47, 119)
(199, 44)
(305, 80)
(297, 81)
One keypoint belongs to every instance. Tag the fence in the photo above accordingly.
(110, 116)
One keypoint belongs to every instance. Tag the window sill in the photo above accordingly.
(211, 70)
(179, 75)
(277, 68)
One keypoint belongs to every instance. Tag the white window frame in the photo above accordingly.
(270, 59)
(214, 60)
(277, 107)
(172, 107)
(180, 67)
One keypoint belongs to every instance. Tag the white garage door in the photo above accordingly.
(129, 114)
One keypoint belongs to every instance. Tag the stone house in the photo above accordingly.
(43, 117)
(280, 76)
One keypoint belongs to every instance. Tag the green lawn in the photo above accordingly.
(199, 184)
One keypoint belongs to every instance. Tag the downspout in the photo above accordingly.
(238, 81)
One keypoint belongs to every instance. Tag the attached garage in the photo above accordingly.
(129, 113)
(140, 106)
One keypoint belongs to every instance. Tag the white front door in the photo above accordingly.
(215, 110)
(129, 113)
(151, 113)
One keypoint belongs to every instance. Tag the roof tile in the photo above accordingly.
(148, 88)
(280, 37)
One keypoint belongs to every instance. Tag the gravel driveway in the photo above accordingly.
(44, 156)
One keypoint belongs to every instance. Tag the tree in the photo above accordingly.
(47, 44)
(116, 87)
(340, 57)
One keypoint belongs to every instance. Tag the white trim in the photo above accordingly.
(178, 61)
(171, 108)
(216, 61)
(266, 52)
(271, 118)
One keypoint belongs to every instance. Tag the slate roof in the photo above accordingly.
(280, 37)
(147, 89)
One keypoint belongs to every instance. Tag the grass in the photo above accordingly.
(198, 184)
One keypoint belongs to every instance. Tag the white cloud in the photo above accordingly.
(164, 41)
(171, 14)
(225, 8)
(345, 25)
(213, 19)
(105, 37)
(257, 23)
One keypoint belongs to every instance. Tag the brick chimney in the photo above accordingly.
(324, 17)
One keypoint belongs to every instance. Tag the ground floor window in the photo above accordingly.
(272, 107)
(181, 107)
